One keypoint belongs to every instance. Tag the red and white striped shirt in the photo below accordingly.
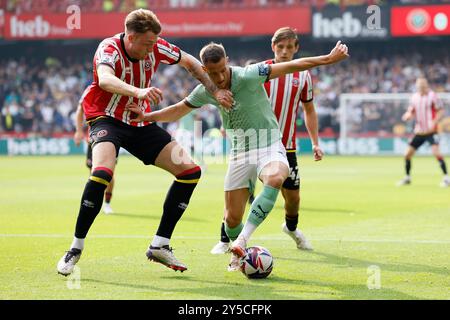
(285, 94)
(98, 102)
(425, 108)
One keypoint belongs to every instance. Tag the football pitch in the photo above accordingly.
(372, 240)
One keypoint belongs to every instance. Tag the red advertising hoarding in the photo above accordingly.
(420, 21)
(175, 24)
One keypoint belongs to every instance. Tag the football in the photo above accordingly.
(257, 263)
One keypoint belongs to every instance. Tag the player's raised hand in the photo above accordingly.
(339, 52)
(318, 153)
(225, 98)
(138, 113)
(152, 94)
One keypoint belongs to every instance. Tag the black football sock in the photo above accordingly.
(443, 165)
(177, 200)
(108, 196)
(223, 234)
(291, 223)
(91, 201)
(407, 166)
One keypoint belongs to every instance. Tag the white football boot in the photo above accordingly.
(234, 263)
(405, 181)
(238, 247)
(298, 237)
(68, 261)
(165, 256)
(221, 248)
(445, 182)
(107, 208)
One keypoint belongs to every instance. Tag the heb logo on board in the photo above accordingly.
(351, 24)
(37, 27)
(51, 26)
(345, 26)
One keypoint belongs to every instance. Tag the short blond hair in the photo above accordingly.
(141, 21)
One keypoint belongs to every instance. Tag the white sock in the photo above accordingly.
(248, 230)
(77, 243)
(160, 241)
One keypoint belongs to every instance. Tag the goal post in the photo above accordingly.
(370, 124)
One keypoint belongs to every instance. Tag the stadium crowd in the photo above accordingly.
(42, 96)
(32, 6)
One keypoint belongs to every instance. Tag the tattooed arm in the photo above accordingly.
(195, 68)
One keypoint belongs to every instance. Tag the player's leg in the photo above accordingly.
(273, 174)
(104, 156)
(223, 245)
(440, 158)
(89, 157)
(291, 207)
(108, 196)
(239, 182)
(237, 178)
(235, 202)
(174, 159)
(291, 194)
(415, 143)
(108, 192)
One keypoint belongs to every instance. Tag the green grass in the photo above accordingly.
(351, 211)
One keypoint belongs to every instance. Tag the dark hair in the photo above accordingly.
(212, 52)
(284, 34)
(141, 21)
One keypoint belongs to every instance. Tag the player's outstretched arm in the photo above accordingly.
(339, 53)
(169, 114)
(109, 82)
(195, 68)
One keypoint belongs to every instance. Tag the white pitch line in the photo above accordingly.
(259, 238)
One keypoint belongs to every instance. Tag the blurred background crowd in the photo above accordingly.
(39, 91)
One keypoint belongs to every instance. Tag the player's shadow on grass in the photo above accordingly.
(330, 210)
(261, 289)
(344, 291)
(346, 262)
(154, 217)
(326, 210)
(349, 291)
(223, 290)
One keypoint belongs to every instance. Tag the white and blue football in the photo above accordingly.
(257, 263)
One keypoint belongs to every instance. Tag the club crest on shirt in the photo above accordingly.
(148, 65)
(295, 82)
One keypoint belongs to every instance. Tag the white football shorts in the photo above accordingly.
(245, 167)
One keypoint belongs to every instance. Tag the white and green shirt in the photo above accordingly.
(251, 123)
